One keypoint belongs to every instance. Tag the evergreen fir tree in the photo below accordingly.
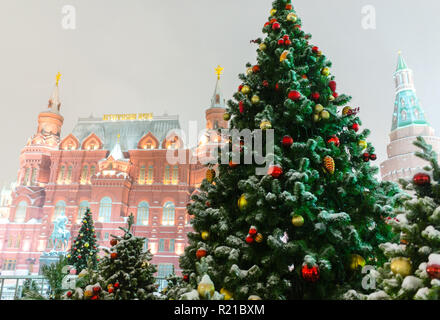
(127, 268)
(304, 230)
(413, 268)
(84, 246)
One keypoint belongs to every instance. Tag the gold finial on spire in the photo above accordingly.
(399, 52)
(58, 77)
(119, 137)
(219, 72)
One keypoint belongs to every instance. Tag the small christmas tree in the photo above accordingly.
(413, 269)
(127, 268)
(84, 246)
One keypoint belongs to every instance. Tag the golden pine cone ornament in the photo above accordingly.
(329, 164)
(210, 175)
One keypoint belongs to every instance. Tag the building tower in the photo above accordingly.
(409, 122)
(214, 114)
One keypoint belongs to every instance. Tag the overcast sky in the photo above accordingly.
(157, 56)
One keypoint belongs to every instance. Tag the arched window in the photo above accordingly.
(26, 176)
(142, 213)
(168, 214)
(167, 178)
(61, 175)
(403, 115)
(20, 212)
(85, 175)
(105, 209)
(34, 177)
(150, 175)
(92, 172)
(142, 175)
(83, 206)
(60, 209)
(175, 175)
(69, 175)
(416, 114)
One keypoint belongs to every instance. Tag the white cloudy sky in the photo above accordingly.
(154, 56)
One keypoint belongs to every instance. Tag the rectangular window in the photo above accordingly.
(106, 236)
(164, 270)
(142, 175)
(34, 177)
(9, 265)
(26, 176)
(146, 244)
(150, 175)
(161, 245)
(175, 175)
(167, 177)
(171, 248)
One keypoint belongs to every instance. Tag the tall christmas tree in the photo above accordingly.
(303, 230)
(413, 269)
(126, 269)
(84, 246)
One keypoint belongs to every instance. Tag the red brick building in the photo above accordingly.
(114, 165)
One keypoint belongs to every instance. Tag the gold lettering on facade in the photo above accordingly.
(127, 117)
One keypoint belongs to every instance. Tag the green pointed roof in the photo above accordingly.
(401, 64)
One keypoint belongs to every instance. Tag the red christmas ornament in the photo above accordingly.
(113, 242)
(241, 106)
(116, 285)
(69, 294)
(275, 171)
(366, 157)
(289, 7)
(287, 141)
(286, 36)
(373, 157)
(255, 68)
(265, 83)
(240, 87)
(316, 96)
(96, 289)
(334, 140)
(281, 42)
(315, 49)
(94, 298)
(287, 42)
(297, 26)
(110, 290)
(94, 236)
(355, 127)
(252, 231)
(185, 277)
(294, 95)
(310, 274)
(114, 255)
(266, 24)
(335, 94)
(421, 179)
(332, 85)
(208, 204)
(276, 26)
(433, 270)
(200, 253)
(249, 239)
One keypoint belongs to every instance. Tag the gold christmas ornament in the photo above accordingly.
(319, 108)
(246, 89)
(255, 99)
(298, 220)
(316, 117)
(284, 55)
(226, 293)
(356, 261)
(263, 46)
(249, 71)
(88, 293)
(362, 144)
(331, 98)
(242, 202)
(205, 235)
(254, 297)
(292, 17)
(346, 110)
(210, 175)
(86, 244)
(265, 125)
(325, 71)
(259, 238)
(325, 115)
(226, 116)
(272, 12)
(401, 266)
(329, 164)
(205, 287)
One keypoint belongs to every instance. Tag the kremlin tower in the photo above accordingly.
(409, 122)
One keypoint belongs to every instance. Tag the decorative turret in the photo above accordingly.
(407, 110)
(214, 114)
(408, 123)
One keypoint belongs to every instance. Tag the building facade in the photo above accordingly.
(409, 122)
(115, 165)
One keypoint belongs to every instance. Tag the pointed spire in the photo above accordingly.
(218, 100)
(54, 102)
(401, 64)
(117, 153)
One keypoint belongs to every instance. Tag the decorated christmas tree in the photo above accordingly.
(84, 246)
(305, 228)
(413, 269)
(126, 269)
